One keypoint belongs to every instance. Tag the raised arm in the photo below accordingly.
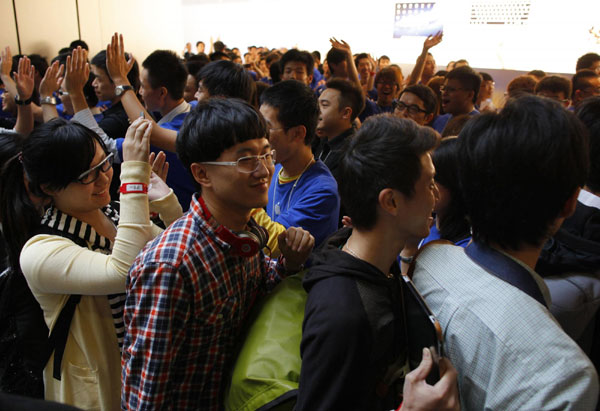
(24, 84)
(5, 71)
(430, 41)
(352, 72)
(48, 86)
(118, 66)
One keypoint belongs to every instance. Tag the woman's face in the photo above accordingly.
(79, 199)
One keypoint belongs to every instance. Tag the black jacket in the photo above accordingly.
(352, 333)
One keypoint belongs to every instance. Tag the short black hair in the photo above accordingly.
(350, 96)
(520, 85)
(586, 61)
(215, 125)
(360, 57)
(485, 76)
(589, 113)
(316, 55)
(518, 168)
(426, 94)
(580, 81)
(218, 46)
(227, 79)
(193, 67)
(335, 56)
(468, 78)
(79, 43)
(554, 84)
(538, 74)
(300, 56)
(166, 70)
(453, 225)
(218, 55)
(40, 63)
(296, 104)
(133, 76)
(384, 153)
(199, 42)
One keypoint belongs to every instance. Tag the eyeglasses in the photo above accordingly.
(412, 109)
(88, 177)
(248, 164)
(450, 89)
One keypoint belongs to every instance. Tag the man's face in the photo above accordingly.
(200, 48)
(386, 91)
(456, 99)
(296, 70)
(103, 85)
(383, 63)
(412, 107)
(555, 95)
(416, 218)
(486, 90)
(429, 69)
(240, 192)
(152, 97)
(330, 117)
(280, 139)
(202, 93)
(364, 67)
(591, 90)
(190, 89)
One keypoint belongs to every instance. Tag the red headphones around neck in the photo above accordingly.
(244, 243)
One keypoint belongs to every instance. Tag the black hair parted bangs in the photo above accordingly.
(215, 125)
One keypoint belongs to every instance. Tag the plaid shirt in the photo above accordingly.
(187, 299)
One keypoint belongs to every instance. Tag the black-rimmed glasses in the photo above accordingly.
(88, 177)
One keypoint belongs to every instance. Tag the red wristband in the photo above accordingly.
(131, 188)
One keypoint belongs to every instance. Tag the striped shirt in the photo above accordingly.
(187, 300)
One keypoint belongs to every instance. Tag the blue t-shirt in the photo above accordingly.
(311, 202)
(178, 178)
(372, 108)
(439, 123)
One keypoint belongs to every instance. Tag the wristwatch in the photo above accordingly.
(48, 100)
(119, 90)
(23, 102)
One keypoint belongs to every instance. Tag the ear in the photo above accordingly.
(298, 132)
(570, 205)
(164, 92)
(309, 79)
(389, 201)
(428, 118)
(200, 174)
(347, 113)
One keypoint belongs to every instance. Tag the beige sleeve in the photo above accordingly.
(273, 228)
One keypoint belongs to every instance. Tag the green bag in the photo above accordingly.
(267, 370)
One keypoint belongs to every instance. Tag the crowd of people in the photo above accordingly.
(148, 208)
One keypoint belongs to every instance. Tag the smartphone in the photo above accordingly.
(422, 330)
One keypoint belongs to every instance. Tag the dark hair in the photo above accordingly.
(441, 73)
(554, 84)
(218, 55)
(218, 45)
(166, 70)
(40, 63)
(468, 78)
(485, 76)
(382, 57)
(335, 56)
(538, 74)
(586, 61)
(316, 55)
(359, 57)
(52, 157)
(79, 43)
(384, 153)
(589, 113)
(460, 61)
(520, 85)
(199, 42)
(193, 67)
(580, 80)
(227, 79)
(296, 104)
(389, 74)
(275, 73)
(452, 222)
(300, 56)
(350, 96)
(215, 125)
(133, 76)
(518, 168)
(64, 50)
(426, 94)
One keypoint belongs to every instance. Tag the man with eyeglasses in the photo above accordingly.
(459, 94)
(190, 290)
(417, 103)
(586, 83)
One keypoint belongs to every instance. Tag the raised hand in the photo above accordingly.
(434, 40)
(52, 80)
(136, 146)
(24, 78)
(5, 62)
(116, 63)
(295, 245)
(340, 45)
(77, 71)
(159, 164)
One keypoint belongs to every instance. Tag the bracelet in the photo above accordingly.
(133, 188)
(407, 260)
(48, 100)
(20, 102)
